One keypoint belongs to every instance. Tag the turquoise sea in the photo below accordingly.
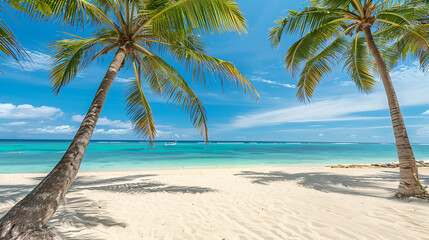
(25, 156)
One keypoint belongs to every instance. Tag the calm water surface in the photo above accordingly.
(41, 156)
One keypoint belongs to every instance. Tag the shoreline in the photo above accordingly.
(190, 167)
(148, 169)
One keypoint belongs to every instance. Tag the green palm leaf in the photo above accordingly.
(176, 90)
(72, 55)
(9, 45)
(310, 44)
(191, 52)
(199, 15)
(138, 107)
(360, 65)
(319, 66)
(302, 22)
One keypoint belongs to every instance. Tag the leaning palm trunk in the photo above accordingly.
(409, 184)
(28, 218)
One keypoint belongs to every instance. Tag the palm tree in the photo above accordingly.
(333, 31)
(135, 31)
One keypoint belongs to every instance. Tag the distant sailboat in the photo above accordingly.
(171, 143)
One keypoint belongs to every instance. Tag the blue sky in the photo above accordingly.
(338, 112)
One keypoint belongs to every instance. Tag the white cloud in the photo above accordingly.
(113, 131)
(14, 123)
(27, 111)
(271, 82)
(423, 131)
(261, 72)
(39, 61)
(124, 80)
(163, 134)
(426, 113)
(104, 121)
(55, 130)
(167, 132)
(323, 111)
(122, 127)
(411, 85)
(77, 118)
(347, 83)
(321, 135)
(345, 128)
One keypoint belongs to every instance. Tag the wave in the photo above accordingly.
(13, 152)
(228, 143)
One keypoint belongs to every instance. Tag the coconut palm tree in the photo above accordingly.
(341, 31)
(135, 32)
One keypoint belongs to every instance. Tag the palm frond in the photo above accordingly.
(175, 89)
(191, 52)
(360, 65)
(404, 15)
(319, 66)
(402, 41)
(77, 12)
(302, 22)
(310, 44)
(138, 108)
(9, 45)
(340, 4)
(200, 15)
(72, 55)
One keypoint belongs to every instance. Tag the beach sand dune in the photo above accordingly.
(232, 203)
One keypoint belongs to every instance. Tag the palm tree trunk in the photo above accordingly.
(29, 216)
(409, 184)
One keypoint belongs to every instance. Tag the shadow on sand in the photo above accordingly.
(80, 212)
(331, 182)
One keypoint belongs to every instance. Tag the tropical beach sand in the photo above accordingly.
(232, 203)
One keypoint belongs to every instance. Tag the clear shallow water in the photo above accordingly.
(41, 156)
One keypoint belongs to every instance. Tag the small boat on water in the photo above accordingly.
(170, 143)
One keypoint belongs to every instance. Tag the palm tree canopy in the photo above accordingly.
(143, 29)
(330, 32)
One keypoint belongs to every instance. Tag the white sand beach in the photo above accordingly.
(232, 203)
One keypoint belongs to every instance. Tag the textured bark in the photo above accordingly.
(27, 219)
(409, 184)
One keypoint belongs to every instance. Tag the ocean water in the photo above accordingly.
(18, 156)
